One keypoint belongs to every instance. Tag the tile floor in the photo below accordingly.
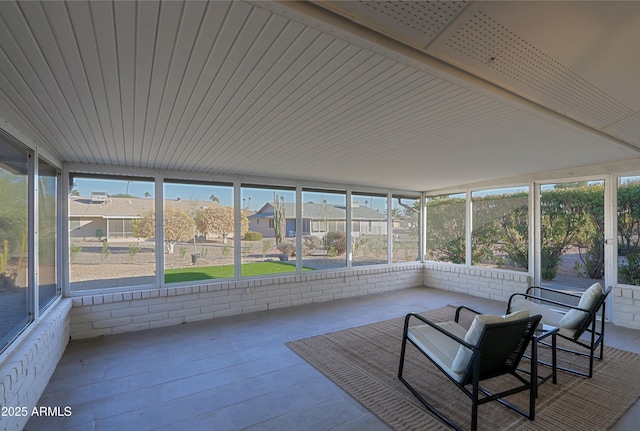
(236, 373)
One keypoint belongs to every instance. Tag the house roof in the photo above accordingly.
(399, 95)
(118, 207)
(315, 211)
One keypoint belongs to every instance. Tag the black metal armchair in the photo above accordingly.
(493, 346)
(582, 324)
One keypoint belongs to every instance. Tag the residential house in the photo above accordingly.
(320, 218)
(111, 218)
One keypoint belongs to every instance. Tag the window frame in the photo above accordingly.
(34, 310)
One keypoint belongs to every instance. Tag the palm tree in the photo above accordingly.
(214, 198)
(147, 194)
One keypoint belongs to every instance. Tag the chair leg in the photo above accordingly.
(474, 409)
(405, 332)
(600, 336)
(589, 353)
(433, 410)
(423, 401)
(402, 352)
(533, 391)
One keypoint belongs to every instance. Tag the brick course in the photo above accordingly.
(106, 314)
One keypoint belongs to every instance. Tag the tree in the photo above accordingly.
(629, 217)
(500, 225)
(445, 229)
(219, 221)
(13, 213)
(565, 218)
(515, 228)
(279, 218)
(178, 226)
(214, 198)
(147, 194)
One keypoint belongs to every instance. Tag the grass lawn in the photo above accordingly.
(252, 269)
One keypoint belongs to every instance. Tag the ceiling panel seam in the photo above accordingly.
(254, 65)
(324, 89)
(294, 82)
(329, 96)
(80, 17)
(236, 74)
(256, 96)
(188, 100)
(166, 35)
(103, 21)
(60, 71)
(239, 12)
(187, 35)
(124, 22)
(297, 84)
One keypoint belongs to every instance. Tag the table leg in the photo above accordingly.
(554, 363)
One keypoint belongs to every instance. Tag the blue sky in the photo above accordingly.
(252, 198)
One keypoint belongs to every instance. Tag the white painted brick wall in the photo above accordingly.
(108, 314)
(26, 370)
(500, 284)
(626, 306)
(483, 282)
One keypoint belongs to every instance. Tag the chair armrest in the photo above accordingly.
(545, 301)
(437, 328)
(605, 291)
(462, 307)
(554, 291)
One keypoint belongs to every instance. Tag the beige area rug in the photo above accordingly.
(364, 362)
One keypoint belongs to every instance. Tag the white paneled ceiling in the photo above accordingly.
(285, 90)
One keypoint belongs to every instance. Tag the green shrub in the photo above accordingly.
(252, 236)
(245, 250)
(226, 251)
(336, 242)
(311, 242)
(73, 252)
(629, 272)
(133, 251)
(266, 246)
(287, 248)
(105, 252)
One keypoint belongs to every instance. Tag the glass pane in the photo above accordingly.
(629, 230)
(500, 237)
(572, 224)
(324, 217)
(445, 228)
(198, 231)
(405, 228)
(270, 245)
(112, 233)
(47, 227)
(14, 309)
(369, 229)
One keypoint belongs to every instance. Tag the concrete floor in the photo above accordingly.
(236, 373)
